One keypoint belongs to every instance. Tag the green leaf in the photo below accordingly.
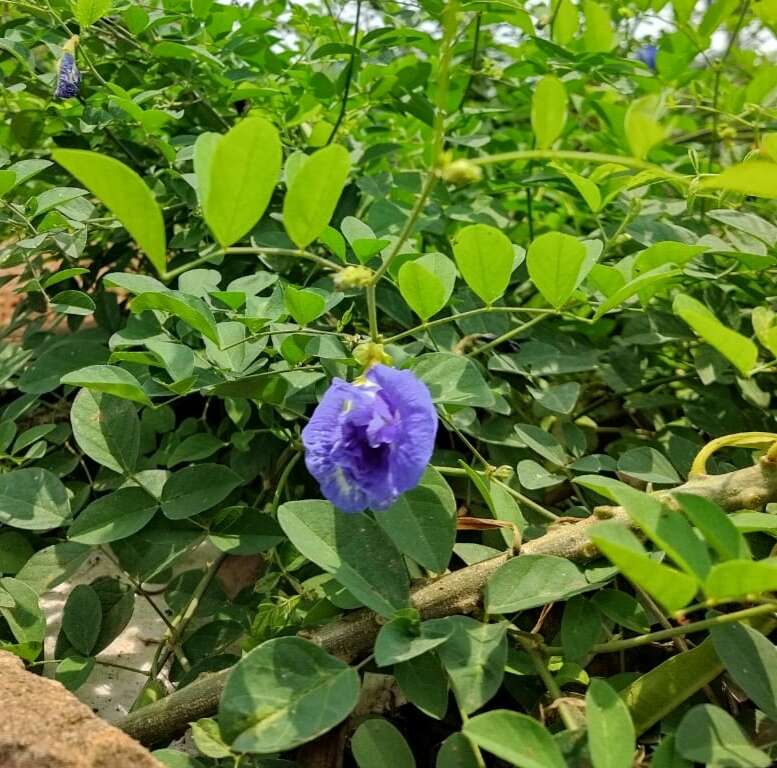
(541, 442)
(303, 304)
(666, 755)
(244, 167)
(751, 662)
(207, 738)
(485, 258)
(204, 148)
(765, 328)
(73, 671)
(113, 517)
(755, 177)
(426, 283)
(402, 639)
(72, 303)
(738, 349)
(109, 379)
(52, 565)
(196, 489)
(611, 737)
(647, 280)
(378, 744)
(623, 609)
(457, 751)
(15, 551)
(422, 522)
(567, 23)
(672, 588)
(581, 626)
(81, 618)
(739, 578)
(191, 309)
(195, 448)
(660, 691)
(89, 11)
(474, 657)
(557, 264)
(33, 499)
(353, 548)
(709, 735)
(642, 124)
(106, 429)
(516, 738)
(424, 683)
(312, 196)
(25, 618)
(452, 379)
(125, 195)
(530, 581)
(244, 531)
(715, 525)
(548, 110)
(284, 693)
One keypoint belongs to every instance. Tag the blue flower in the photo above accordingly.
(647, 55)
(69, 76)
(368, 443)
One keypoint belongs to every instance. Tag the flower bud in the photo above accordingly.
(371, 353)
(353, 277)
(461, 172)
(69, 76)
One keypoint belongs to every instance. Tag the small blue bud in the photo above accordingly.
(647, 55)
(69, 76)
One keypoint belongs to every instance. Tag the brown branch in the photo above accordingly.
(454, 593)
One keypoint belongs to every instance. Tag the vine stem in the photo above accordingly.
(517, 331)
(348, 75)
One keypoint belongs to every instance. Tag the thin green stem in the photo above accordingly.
(255, 250)
(614, 646)
(283, 480)
(348, 75)
(372, 311)
(587, 157)
(517, 331)
(463, 316)
(566, 713)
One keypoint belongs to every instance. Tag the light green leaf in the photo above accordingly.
(599, 34)
(426, 284)
(735, 347)
(89, 11)
(765, 328)
(312, 196)
(642, 124)
(244, 167)
(25, 619)
(646, 280)
(557, 264)
(548, 110)
(755, 177)
(73, 671)
(739, 578)
(715, 525)
(109, 379)
(516, 738)
(403, 639)
(303, 304)
(353, 548)
(204, 148)
(485, 259)
(125, 194)
(672, 588)
(191, 309)
(284, 693)
(611, 737)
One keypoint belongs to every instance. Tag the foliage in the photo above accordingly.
(565, 236)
